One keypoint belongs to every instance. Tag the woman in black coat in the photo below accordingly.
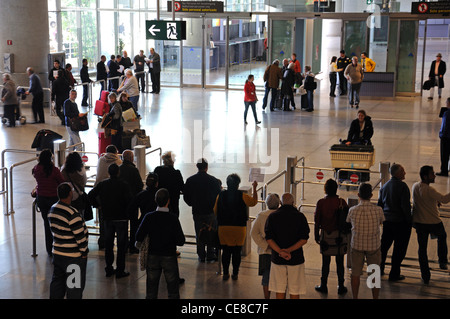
(361, 130)
(60, 93)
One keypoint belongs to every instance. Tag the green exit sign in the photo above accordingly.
(369, 1)
(165, 30)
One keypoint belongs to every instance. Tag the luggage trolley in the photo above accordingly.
(358, 157)
(18, 114)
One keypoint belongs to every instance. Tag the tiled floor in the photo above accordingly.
(192, 122)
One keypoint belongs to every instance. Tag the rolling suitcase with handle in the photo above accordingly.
(103, 142)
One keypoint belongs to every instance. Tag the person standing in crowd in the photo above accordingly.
(231, 211)
(48, 177)
(54, 71)
(395, 199)
(69, 76)
(444, 136)
(126, 61)
(139, 64)
(9, 99)
(287, 86)
(426, 220)
(113, 72)
(287, 231)
(60, 93)
(130, 85)
(154, 65)
(70, 245)
(297, 69)
(84, 75)
(436, 75)
(130, 174)
(366, 219)
(326, 225)
(110, 157)
(74, 173)
(361, 130)
(310, 85)
(101, 73)
(333, 75)
(368, 65)
(120, 68)
(355, 75)
(272, 77)
(37, 105)
(342, 62)
(164, 235)
(71, 111)
(114, 196)
(200, 192)
(144, 202)
(117, 121)
(170, 179)
(250, 98)
(259, 236)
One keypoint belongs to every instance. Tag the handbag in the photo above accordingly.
(341, 214)
(82, 204)
(427, 85)
(79, 123)
(140, 140)
(333, 243)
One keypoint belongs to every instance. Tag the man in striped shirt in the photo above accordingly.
(366, 219)
(70, 247)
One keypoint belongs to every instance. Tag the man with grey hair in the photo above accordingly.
(355, 75)
(130, 85)
(9, 99)
(287, 231)
(259, 236)
(154, 65)
(272, 77)
(37, 105)
(395, 199)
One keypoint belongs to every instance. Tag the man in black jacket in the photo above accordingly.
(200, 192)
(130, 174)
(114, 196)
(436, 75)
(342, 63)
(101, 73)
(84, 75)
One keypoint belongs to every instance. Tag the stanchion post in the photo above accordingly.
(139, 154)
(59, 147)
(33, 217)
(384, 172)
(289, 181)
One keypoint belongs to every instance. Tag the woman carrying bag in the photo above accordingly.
(328, 236)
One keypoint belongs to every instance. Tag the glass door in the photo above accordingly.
(355, 37)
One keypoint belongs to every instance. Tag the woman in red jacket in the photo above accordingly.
(48, 177)
(250, 98)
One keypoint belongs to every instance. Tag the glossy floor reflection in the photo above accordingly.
(193, 123)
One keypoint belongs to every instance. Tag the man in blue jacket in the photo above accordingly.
(37, 105)
(444, 135)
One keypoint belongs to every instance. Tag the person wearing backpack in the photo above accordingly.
(326, 230)
(310, 85)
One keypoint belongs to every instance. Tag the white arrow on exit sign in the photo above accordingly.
(153, 30)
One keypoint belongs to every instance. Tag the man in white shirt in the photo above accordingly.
(426, 220)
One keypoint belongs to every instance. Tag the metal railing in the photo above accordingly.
(49, 97)
(5, 190)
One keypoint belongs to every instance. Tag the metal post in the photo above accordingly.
(247, 248)
(289, 180)
(139, 154)
(33, 217)
(384, 172)
(59, 147)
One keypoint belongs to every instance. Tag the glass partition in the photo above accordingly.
(282, 45)
(355, 37)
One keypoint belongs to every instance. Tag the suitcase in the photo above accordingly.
(103, 143)
(101, 108)
(104, 96)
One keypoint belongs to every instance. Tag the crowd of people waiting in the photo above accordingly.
(146, 222)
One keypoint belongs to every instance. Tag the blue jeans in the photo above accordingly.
(310, 98)
(266, 94)
(134, 100)
(58, 286)
(74, 138)
(155, 266)
(253, 105)
(353, 93)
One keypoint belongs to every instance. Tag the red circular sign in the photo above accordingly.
(354, 178)
(84, 158)
(319, 175)
(423, 7)
(177, 6)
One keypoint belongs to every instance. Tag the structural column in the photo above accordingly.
(25, 34)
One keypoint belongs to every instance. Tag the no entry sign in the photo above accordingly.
(319, 175)
(354, 178)
(84, 158)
